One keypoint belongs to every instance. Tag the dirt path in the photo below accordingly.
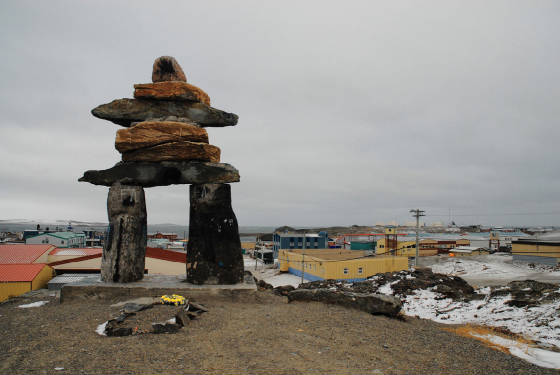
(257, 336)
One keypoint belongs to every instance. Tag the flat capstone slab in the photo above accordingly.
(155, 286)
(150, 174)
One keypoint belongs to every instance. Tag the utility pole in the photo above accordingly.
(303, 256)
(257, 244)
(417, 213)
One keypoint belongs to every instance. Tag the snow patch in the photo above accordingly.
(34, 304)
(100, 330)
(536, 356)
(386, 289)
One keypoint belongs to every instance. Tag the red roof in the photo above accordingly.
(19, 272)
(72, 251)
(172, 256)
(151, 252)
(74, 260)
(22, 254)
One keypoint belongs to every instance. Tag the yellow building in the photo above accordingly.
(465, 251)
(536, 251)
(339, 264)
(17, 279)
(441, 246)
(401, 248)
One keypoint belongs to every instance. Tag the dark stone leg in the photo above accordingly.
(125, 247)
(214, 249)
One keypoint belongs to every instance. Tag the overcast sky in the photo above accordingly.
(349, 112)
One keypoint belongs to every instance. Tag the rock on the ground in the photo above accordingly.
(371, 303)
(166, 68)
(124, 252)
(127, 111)
(177, 151)
(150, 174)
(283, 290)
(263, 285)
(214, 248)
(132, 307)
(112, 328)
(527, 293)
(170, 90)
(152, 133)
(165, 327)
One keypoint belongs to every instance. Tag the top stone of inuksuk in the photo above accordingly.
(164, 142)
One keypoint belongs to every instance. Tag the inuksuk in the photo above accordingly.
(164, 142)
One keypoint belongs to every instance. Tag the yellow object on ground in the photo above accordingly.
(173, 299)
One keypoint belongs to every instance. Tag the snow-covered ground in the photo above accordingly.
(536, 356)
(540, 324)
(494, 269)
(275, 278)
(271, 275)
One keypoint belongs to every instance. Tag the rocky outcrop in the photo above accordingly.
(175, 151)
(125, 247)
(126, 111)
(527, 293)
(404, 283)
(171, 90)
(152, 133)
(214, 248)
(371, 303)
(166, 68)
(149, 174)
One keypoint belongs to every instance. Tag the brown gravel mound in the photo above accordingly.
(258, 335)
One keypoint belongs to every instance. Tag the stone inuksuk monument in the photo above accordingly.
(164, 142)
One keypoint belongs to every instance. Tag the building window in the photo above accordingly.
(346, 271)
(360, 270)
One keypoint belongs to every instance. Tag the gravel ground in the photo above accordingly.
(257, 335)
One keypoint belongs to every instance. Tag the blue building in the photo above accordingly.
(283, 241)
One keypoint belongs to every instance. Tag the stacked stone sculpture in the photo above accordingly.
(164, 142)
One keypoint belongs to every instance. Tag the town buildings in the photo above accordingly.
(26, 267)
(59, 239)
(296, 241)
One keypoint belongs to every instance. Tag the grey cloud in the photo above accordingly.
(349, 113)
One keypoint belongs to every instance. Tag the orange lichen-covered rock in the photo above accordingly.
(170, 90)
(175, 151)
(152, 133)
(166, 68)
